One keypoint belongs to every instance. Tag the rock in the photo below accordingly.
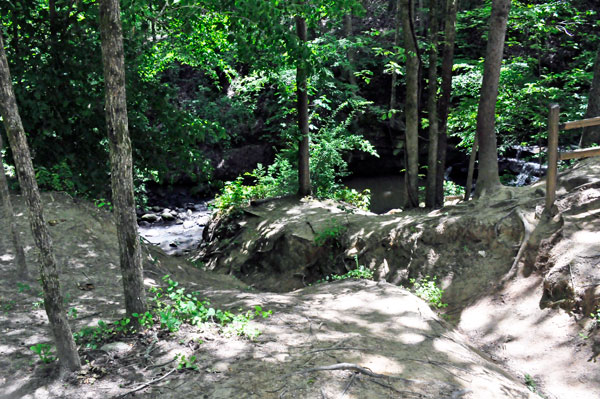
(167, 215)
(116, 347)
(150, 217)
(203, 221)
(188, 224)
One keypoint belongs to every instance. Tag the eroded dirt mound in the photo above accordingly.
(355, 338)
(520, 282)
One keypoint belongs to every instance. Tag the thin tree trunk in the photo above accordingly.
(53, 299)
(348, 34)
(411, 106)
(471, 169)
(121, 157)
(393, 89)
(304, 188)
(488, 179)
(591, 135)
(12, 225)
(444, 101)
(432, 106)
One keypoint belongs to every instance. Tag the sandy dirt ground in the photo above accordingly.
(499, 338)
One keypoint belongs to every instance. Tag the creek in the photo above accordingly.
(176, 231)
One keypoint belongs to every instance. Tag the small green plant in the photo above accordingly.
(39, 304)
(186, 363)
(146, 320)
(596, 317)
(427, 289)
(361, 272)
(22, 287)
(103, 203)
(8, 305)
(331, 235)
(44, 352)
(72, 313)
(532, 385)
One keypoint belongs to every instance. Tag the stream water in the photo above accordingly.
(178, 230)
(178, 233)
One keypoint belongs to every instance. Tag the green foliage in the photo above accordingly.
(428, 290)
(174, 307)
(94, 337)
(327, 164)
(58, 178)
(540, 68)
(596, 317)
(331, 235)
(360, 272)
(44, 351)
(186, 363)
(22, 287)
(453, 189)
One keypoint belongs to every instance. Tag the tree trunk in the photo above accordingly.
(591, 135)
(121, 158)
(432, 106)
(53, 299)
(488, 179)
(411, 107)
(446, 90)
(471, 170)
(348, 35)
(394, 83)
(12, 225)
(304, 188)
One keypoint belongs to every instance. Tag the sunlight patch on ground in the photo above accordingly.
(382, 365)
(7, 257)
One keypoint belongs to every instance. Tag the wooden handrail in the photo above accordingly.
(582, 123)
(554, 155)
(583, 153)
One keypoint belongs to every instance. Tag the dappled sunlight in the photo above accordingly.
(7, 257)
(410, 338)
(382, 364)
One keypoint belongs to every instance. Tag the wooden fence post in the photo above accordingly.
(552, 157)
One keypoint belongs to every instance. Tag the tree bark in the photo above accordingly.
(432, 106)
(444, 101)
(53, 299)
(591, 135)
(393, 91)
(488, 180)
(411, 107)
(121, 158)
(12, 225)
(348, 34)
(304, 188)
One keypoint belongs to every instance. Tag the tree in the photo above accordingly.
(53, 299)
(432, 105)
(591, 135)
(488, 179)
(120, 157)
(444, 101)
(304, 188)
(12, 226)
(411, 106)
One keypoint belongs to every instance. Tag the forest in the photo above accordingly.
(303, 198)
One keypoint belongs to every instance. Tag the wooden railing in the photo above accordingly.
(554, 155)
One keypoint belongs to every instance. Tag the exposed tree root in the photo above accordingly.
(147, 384)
